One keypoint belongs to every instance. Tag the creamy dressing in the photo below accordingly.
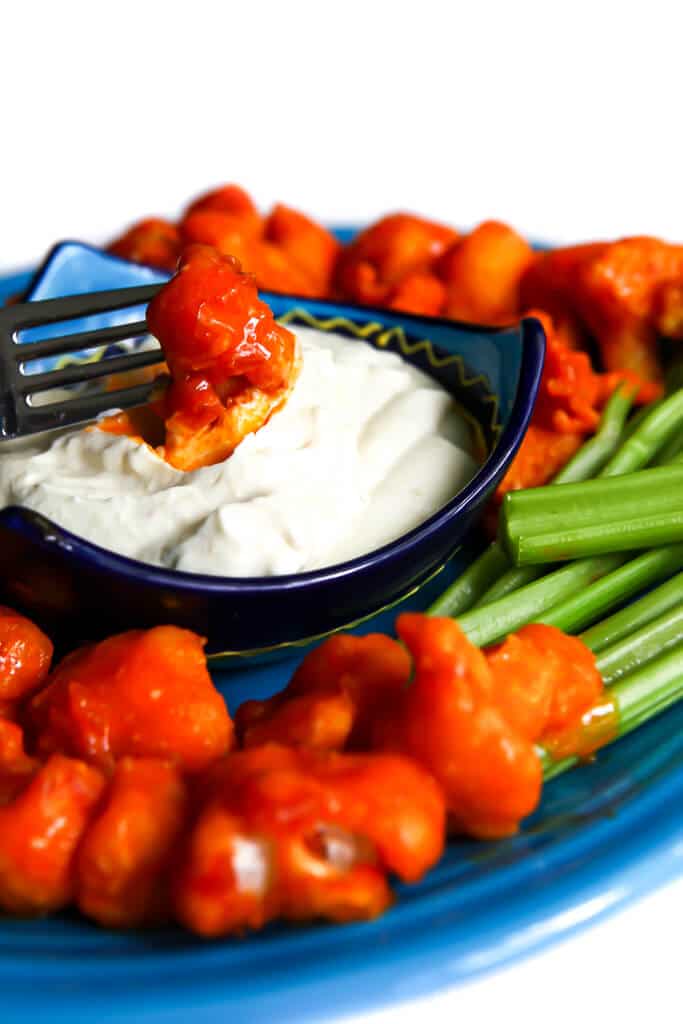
(366, 448)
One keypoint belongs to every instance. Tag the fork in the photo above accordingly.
(20, 416)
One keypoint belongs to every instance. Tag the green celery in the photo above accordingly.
(620, 625)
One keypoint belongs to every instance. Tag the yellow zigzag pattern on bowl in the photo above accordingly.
(305, 641)
(331, 324)
(78, 360)
(383, 337)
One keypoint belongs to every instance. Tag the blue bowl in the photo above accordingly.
(83, 592)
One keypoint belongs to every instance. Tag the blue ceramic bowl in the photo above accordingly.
(78, 589)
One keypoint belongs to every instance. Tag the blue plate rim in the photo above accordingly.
(642, 847)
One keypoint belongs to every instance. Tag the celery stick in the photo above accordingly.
(604, 538)
(582, 466)
(604, 500)
(614, 589)
(595, 453)
(664, 419)
(473, 581)
(642, 646)
(515, 577)
(620, 625)
(638, 697)
(494, 621)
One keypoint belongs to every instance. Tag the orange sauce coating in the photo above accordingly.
(127, 800)
(623, 295)
(145, 693)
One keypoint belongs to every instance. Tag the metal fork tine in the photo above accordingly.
(78, 373)
(87, 407)
(19, 417)
(73, 307)
(29, 350)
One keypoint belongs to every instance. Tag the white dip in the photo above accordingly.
(366, 448)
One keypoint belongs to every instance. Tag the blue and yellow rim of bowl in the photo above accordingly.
(382, 337)
(395, 338)
(234, 657)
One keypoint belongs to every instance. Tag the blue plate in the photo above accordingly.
(604, 834)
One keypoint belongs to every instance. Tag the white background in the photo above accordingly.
(565, 119)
